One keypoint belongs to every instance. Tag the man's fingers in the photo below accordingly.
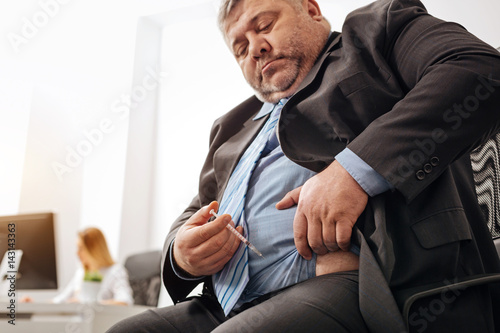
(344, 232)
(300, 236)
(330, 236)
(290, 199)
(222, 244)
(337, 235)
(215, 256)
(211, 229)
(229, 248)
(315, 237)
(232, 244)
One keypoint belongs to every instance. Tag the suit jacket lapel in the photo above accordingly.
(291, 124)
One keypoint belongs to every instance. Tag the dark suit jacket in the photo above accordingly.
(412, 96)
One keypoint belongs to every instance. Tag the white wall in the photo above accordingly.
(479, 17)
(65, 66)
(71, 72)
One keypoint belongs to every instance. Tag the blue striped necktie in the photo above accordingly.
(232, 279)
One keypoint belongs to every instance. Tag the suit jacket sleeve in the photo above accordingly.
(179, 288)
(451, 82)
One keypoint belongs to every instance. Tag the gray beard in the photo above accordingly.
(265, 92)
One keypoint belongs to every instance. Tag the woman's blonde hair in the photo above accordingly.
(95, 243)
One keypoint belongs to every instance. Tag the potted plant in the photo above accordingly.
(90, 286)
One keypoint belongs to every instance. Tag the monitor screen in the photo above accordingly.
(34, 235)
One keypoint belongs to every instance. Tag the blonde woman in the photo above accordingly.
(96, 261)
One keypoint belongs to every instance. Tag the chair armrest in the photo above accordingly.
(466, 282)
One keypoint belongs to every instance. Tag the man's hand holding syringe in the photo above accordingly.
(202, 248)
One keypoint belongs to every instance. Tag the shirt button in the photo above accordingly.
(420, 175)
(434, 161)
(428, 168)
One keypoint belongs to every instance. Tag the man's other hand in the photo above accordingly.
(329, 205)
(202, 248)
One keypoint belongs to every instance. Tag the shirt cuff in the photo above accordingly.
(180, 274)
(369, 179)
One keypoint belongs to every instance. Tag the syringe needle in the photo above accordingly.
(240, 236)
(254, 249)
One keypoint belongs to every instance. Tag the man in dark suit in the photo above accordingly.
(373, 142)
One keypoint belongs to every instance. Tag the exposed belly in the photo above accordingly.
(338, 261)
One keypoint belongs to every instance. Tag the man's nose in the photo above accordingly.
(259, 46)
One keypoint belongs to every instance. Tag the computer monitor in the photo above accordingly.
(34, 235)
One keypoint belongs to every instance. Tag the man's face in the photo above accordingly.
(275, 44)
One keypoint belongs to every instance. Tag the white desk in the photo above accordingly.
(64, 318)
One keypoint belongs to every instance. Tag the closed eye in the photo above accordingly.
(240, 51)
(265, 27)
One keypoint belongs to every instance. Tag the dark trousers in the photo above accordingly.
(328, 303)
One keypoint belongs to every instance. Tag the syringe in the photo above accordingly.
(240, 236)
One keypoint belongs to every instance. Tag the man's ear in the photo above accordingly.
(314, 11)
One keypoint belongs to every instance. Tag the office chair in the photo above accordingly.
(145, 277)
(486, 167)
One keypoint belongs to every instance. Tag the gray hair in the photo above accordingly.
(227, 6)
